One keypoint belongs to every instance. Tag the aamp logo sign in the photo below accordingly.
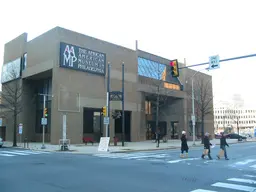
(69, 56)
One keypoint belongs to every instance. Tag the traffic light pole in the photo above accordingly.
(222, 60)
(123, 127)
(43, 146)
(107, 101)
(44, 105)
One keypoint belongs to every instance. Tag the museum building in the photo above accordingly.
(71, 70)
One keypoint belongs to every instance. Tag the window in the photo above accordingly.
(155, 70)
(148, 107)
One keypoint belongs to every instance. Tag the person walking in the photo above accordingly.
(158, 136)
(184, 144)
(223, 144)
(207, 146)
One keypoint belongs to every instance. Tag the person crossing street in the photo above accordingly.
(223, 144)
(207, 146)
(184, 144)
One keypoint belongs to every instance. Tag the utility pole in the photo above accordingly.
(123, 128)
(44, 119)
(193, 113)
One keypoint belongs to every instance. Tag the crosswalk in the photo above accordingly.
(246, 164)
(147, 156)
(13, 153)
(165, 157)
(245, 183)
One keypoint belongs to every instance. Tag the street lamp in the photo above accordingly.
(193, 118)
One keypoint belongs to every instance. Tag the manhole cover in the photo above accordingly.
(38, 163)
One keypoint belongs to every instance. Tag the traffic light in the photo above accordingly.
(45, 112)
(174, 68)
(104, 111)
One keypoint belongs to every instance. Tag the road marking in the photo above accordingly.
(6, 155)
(132, 156)
(252, 176)
(180, 160)
(15, 153)
(145, 156)
(242, 180)
(234, 186)
(28, 152)
(202, 190)
(253, 166)
(245, 162)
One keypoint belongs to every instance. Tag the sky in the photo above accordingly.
(174, 29)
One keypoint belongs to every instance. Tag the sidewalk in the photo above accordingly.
(129, 146)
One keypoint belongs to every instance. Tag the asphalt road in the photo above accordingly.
(155, 171)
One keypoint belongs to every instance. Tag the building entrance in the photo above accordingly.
(127, 126)
(3, 132)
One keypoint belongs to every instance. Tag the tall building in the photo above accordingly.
(71, 69)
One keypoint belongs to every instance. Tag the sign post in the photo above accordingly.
(44, 118)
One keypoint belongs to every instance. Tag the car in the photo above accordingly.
(236, 136)
(218, 136)
(1, 142)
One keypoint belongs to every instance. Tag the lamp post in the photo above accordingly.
(193, 118)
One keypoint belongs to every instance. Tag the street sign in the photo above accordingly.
(106, 120)
(20, 128)
(43, 121)
(214, 62)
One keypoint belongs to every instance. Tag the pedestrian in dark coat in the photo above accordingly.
(158, 134)
(223, 144)
(184, 144)
(207, 146)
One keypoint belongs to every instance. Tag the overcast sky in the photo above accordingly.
(179, 29)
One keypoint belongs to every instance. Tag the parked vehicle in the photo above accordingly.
(236, 136)
(218, 136)
(1, 142)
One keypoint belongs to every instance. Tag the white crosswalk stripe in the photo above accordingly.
(202, 190)
(163, 157)
(246, 164)
(138, 156)
(13, 153)
(246, 183)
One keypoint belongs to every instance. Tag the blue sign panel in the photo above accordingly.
(82, 59)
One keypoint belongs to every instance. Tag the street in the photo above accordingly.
(153, 171)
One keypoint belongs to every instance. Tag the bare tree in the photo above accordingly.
(203, 99)
(11, 97)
